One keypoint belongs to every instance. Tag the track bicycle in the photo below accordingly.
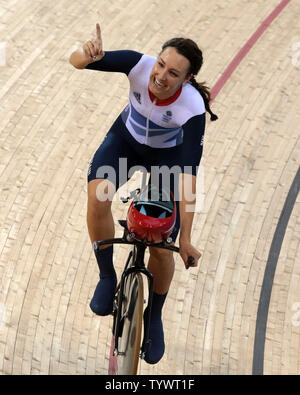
(127, 346)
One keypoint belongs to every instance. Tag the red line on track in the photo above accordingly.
(112, 367)
(246, 48)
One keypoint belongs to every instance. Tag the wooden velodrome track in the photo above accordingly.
(217, 318)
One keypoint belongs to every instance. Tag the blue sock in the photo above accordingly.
(102, 301)
(156, 333)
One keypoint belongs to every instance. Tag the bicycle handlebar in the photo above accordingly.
(123, 240)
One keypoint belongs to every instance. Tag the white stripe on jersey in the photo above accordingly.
(158, 126)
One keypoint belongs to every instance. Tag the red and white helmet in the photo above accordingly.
(152, 214)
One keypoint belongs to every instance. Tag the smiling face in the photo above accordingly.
(169, 73)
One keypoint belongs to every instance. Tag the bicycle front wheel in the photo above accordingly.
(130, 341)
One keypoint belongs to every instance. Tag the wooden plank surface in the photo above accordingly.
(52, 119)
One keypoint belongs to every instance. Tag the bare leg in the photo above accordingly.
(99, 216)
(101, 226)
(161, 264)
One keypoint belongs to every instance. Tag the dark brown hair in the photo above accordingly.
(190, 50)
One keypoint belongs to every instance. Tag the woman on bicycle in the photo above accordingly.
(163, 125)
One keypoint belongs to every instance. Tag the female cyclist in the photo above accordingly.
(163, 125)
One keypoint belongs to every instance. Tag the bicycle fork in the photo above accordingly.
(139, 267)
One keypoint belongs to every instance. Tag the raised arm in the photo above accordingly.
(91, 51)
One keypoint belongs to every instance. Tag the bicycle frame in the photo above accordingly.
(137, 255)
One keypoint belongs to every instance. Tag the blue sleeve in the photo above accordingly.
(118, 61)
(192, 146)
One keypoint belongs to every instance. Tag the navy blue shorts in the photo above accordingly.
(118, 143)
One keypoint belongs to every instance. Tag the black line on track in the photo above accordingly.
(266, 290)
